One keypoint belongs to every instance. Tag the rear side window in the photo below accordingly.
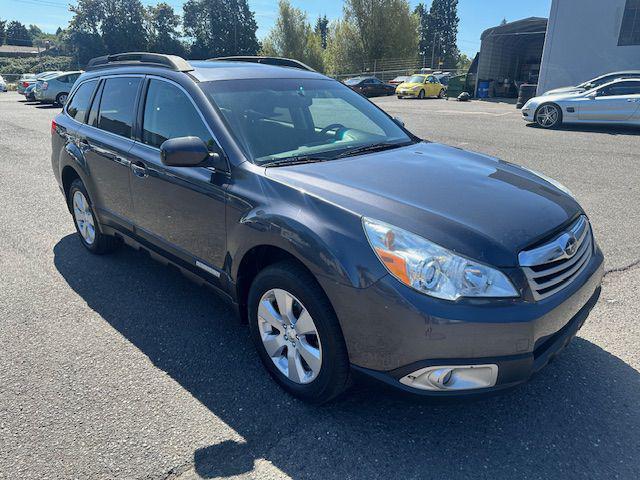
(169, 113)
(79, 103)
(117, 105)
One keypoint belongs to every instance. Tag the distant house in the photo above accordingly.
(19, 51)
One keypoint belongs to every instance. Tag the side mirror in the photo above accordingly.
(399, 121)
(189, 152)
(592, 95)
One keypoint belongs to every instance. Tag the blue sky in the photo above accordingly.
(475, 15)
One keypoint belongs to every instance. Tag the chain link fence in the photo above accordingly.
(389, 68)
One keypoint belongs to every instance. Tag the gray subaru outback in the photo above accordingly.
(350, 246)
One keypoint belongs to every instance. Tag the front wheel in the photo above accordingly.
(421, 95)
(442, 93)
(548, 116)
(297, 334)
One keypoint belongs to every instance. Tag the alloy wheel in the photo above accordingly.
(547, 116)
(62, 99)
(84, 217)
(289, 336)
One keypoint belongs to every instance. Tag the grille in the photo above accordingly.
(553, 266)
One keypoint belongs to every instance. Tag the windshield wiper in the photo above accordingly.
(296, 160)
(374, 147)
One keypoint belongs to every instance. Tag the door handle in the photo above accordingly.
(138, 169)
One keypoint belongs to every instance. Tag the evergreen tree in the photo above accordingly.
(123, 26)
(438, 32)
(3, 31)
(18, 34)
(322, 29)
(220, 27)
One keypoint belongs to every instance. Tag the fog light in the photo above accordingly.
(452, 377)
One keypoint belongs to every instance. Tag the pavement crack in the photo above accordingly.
(624, 268)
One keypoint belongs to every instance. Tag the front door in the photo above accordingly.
(613, 103)
(181, 208)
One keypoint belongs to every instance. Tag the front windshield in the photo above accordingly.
(416, 79)
(289, 118)
(353, 81)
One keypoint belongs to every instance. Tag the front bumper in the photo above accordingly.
(392, 331)
(407, 93)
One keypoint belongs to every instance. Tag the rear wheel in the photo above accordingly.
(399, 96)
(421, 95)
(86, 223)
(548, 116)
(297, 334)
(61, 99)
(442, 93)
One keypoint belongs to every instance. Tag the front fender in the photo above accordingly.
(327, 239)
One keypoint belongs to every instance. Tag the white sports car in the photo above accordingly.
(617, 102)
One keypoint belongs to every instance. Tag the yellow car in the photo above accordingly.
(421, 86)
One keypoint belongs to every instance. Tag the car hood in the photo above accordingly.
(473, 204)
(410, 85)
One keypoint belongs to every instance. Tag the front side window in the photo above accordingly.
(282, 118)
(169, 113)
(79, 104)
(630, 28)
(621, 88)
(117, 105)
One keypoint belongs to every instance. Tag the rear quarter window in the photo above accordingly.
(79, 104)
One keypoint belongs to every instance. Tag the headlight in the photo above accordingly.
(550, 180)
(432, 269)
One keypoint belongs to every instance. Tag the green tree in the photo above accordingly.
(18, 34)
(220, 27)
(162, 26)
(386, 28)
(293, 37)
(83, 37)
(344, 49)
(322, 29)
(464, 62)
(438, 32)
(123, 27)
(3, 31)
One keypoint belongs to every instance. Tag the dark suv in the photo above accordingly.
(347, 244)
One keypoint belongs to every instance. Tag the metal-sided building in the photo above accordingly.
(587, 38)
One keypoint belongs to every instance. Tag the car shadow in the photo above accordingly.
(576, 419)
(604, 129)
(48, 106)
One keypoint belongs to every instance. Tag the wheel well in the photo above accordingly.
(548, 103)
(68, 176)
(253, 262)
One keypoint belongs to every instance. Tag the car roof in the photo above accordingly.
(206, 71)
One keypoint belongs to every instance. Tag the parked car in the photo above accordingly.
(346, 242)
(24, 82)
(615, 102)
(421, 86)
(398, 80)
(31, 82)
(370, 86)
(595, 82)
(55, 89)
(3, 84)
(443, 78)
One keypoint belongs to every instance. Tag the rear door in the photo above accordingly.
(180, 208)
(106, 143)
(614, 103)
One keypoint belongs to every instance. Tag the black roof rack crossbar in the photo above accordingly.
(277, 61)
(172, 62)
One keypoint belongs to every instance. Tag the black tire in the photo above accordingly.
(399, 97)
(540, 115)
(102, 243)
(61, 99)
(442, 93)
(421, 95)
(333, 378)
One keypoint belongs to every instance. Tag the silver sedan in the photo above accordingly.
(617, 102)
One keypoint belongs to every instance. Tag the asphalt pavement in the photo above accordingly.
(118, 367)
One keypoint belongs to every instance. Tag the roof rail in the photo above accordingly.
(172, 62)
(277, 61)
